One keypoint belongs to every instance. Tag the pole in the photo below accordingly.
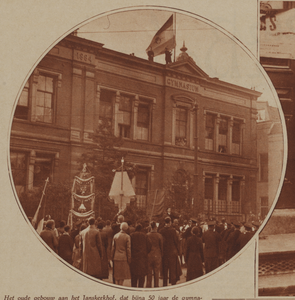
(153, 205)
(174, 25)
(121, 193)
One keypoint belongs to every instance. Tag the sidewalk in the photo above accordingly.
(127, 282)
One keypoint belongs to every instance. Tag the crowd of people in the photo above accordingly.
(147, 252)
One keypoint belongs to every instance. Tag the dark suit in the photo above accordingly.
(170, 256)
(154, 258)
(140, 246)
(65, 248)
(244, 238)
(232, 245)
(211, 239)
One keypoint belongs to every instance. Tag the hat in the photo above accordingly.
(248, 225)
(211, 223)
(256, 223)
(194, 220)
(237, 223)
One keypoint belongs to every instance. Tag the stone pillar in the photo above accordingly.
(173, 123)
(229, 194)
(215, 193)
(116, 112)
(89, 106)
(76, 113)
(135, 116)
(216, 133)
(191, 129)
(230, 135)
(32, 159)
(35, 77)
(97, 107)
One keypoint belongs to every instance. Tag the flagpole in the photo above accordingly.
(40, 203)
(122, 193)
(154, 205)
(174, 25)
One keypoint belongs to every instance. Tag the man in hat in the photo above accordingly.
(170, 260)
(245, 237)
(211, 239)
(232, 245)
(256, 225)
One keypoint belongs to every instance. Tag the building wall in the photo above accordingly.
(84, 69)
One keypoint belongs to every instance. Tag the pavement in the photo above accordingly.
(127, 282)
(277, 243)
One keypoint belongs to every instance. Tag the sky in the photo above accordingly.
(214, 52)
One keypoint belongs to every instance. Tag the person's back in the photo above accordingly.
(49, 236)
(154, 256)
(65, 246)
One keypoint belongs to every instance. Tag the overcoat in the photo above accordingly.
(50, 238)
(170, 254)
(140, 247)
(194, 257)
(91, 251)
(104, 260)
(65, 247)
(232, 244)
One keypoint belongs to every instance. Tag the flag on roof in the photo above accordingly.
(164, 39)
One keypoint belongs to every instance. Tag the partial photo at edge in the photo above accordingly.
(277, 239)
(154, 162)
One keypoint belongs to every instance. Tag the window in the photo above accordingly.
(181, 127)
(236, 137)
(106, 106)
(45, 99)
(264, 206)
(263, 167)
(222, 194)
(222, 136)
(141, 187)
(124, 117)
(143, 122)
(19, 170)
(209, 132)
(42, 169)
(208, 194)
(22, 108)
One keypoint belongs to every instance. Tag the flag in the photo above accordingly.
(156, 201)
(164, 38)
(121, 194)
(39, 216)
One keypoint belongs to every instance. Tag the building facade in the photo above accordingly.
(174, 119)
(270, 154)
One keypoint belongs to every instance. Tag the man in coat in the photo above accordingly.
(170, 254)
(211, 240)
(92, 250)
(245, 237)
(140, 246)
(154, 256)
(65, 245)
(232, 245)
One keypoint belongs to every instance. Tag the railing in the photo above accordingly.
(222, 206)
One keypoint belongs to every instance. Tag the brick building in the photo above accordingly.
(161, 111)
